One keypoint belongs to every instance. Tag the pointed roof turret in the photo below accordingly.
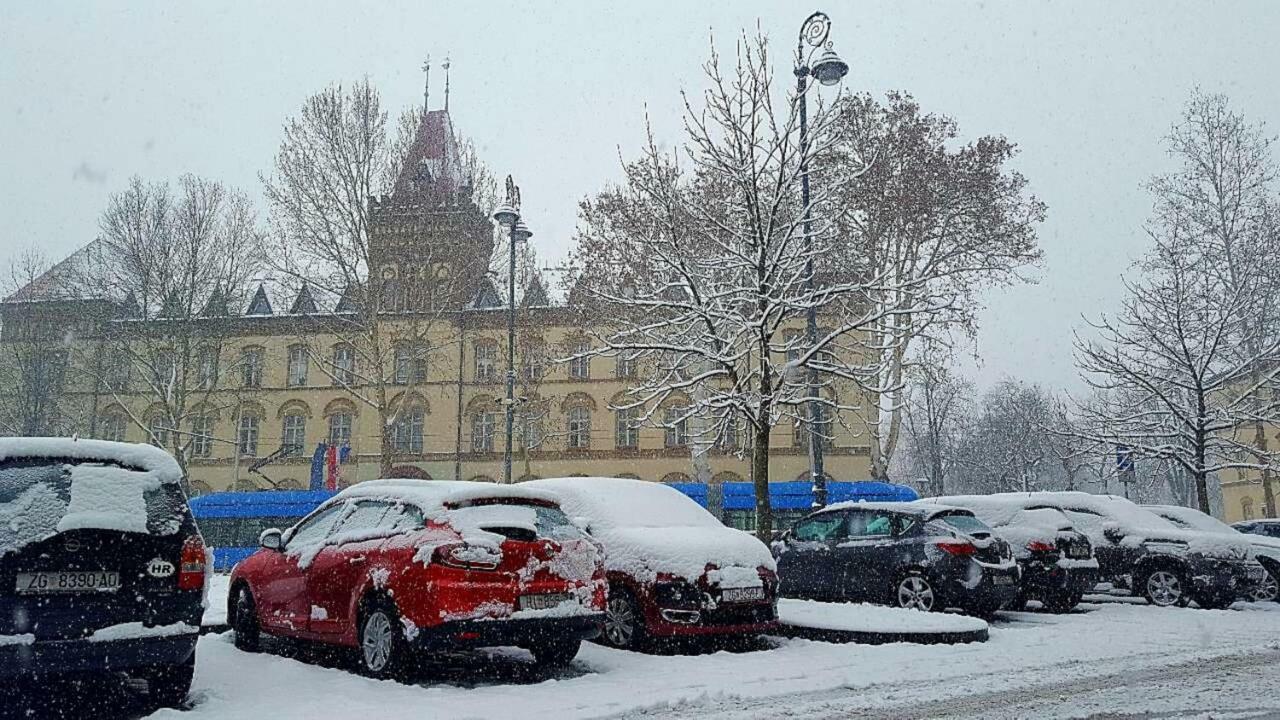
(216, 306)
(487, 297)
(303, 304)
(536, 294)
(260, 305)
(432, 161)
(350, 300)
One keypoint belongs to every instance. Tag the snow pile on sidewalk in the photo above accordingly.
(852, 617)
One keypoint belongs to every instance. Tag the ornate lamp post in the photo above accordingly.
(508, 216)
(828, 70)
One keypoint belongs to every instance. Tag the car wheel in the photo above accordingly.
(244, 621)
(1165, 587)
(383, 650)
(1269, 589)
(623, 621)
(170, 685)
(915, 592)
(1017, 604)
(555, 655)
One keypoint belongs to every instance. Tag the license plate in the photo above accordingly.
(1078, 553)
(544, 601)
(1001, 579)
(746, 594)
(68, 581)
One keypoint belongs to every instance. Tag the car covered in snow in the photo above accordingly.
(1058, 566)
(102, 569)
(394, 567)
(1267, 527)
(1151, 557)
(674, 571)
(1266, 550)
(926, 557)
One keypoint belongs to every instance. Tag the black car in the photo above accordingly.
(913, 556)
(1267, 528)
(1058, 565)
(1151, 557)
(102, 569)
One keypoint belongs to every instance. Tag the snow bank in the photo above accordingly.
(649, 529)
(854, 617)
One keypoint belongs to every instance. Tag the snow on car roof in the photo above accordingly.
(157, 463)
(435, 495)
(995, 509)
(912, 507)
(623, 502)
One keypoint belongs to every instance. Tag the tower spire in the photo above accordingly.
(426, 87)
(446, 84)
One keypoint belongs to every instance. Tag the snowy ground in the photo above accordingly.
(1107, 659)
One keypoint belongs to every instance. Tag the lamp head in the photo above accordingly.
(830, 69)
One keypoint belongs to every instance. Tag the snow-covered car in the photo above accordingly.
(927, 557)
(394, 567)
(1058, 566)
(1151, 557)
(674, 570)
(1266, 550)
(102, 569)
(1268, 527)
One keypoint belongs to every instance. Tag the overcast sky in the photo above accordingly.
(93, 93)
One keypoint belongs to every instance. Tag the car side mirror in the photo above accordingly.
(1113, 533)
(271, 539)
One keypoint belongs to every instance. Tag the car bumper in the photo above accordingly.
(1237, 578)
(1038, 578)
(62, 657)
(743, 619)
(520, 633)
(996, 588)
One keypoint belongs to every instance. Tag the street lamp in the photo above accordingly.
(508, 216)
(829, 69)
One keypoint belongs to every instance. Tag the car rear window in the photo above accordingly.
(966, 523)
(39, 499)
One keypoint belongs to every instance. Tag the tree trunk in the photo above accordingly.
(1201, 475)
(760, 480)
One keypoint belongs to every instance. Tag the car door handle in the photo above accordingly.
(356, 560)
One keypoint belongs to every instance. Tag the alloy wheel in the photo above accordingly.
(1268, 589)
(376, 641)
(915, 592)
(1164, 588)
(619, 622)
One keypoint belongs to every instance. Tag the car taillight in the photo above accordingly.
(191, 565)
(1040, 546)
(466, 557)
(958, 548)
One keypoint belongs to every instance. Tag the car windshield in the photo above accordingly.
(967, 524)
(39, 499)
(1194, 520)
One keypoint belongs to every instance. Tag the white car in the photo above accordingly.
(674, 571)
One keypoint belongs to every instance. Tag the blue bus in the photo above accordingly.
(232, 521)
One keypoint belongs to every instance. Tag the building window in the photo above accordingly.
(579, 428)
(626, 433)
(158, 428)
(202, 436)
(677, 427)
(625, 366)
(800, 430)
(1246, 508)
(531, 430)
(486, 361)
(113, 427)
(340, 429)
(251, 367)
(247, 436)
(728, 440)
(533, 362)
(207, 369)
(163, 368)
(406, 433)
(297, 366)
(293, 433)
(580, 365)
(410, 364)
(484, 425)
(344, 365)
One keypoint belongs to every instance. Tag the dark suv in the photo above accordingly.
(1153, 558)
(101, 566)
(927, 557)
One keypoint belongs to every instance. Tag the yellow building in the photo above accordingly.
(1243, 496)
(261, 383)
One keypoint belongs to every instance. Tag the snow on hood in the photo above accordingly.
(648, 528)
(1196, 520)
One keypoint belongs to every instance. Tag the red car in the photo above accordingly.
(674, 570)
(395, 566)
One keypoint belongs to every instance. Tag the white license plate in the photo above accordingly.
(544, 602)
(1001, 579)
(1078, 553)
(746, 594)
(68, 581)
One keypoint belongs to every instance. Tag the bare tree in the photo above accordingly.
(1006, 446)
(695, 269)
(937, 405)
(939, 223)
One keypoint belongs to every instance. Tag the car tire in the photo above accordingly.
(624, 626)
(557, 654)
(1164, 586)
(381, 648)
(244, 621)
(914, 591)
(169, 686)
(1018, 604)
(1269, 590)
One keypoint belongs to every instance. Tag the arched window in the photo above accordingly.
(293, 432)
(579, 428)
(675, 477)
(249, 430)
(113, 426)
(482, 479)
(406, 432)
(1246, 508)
(484, 426)
(677, 427)
(201, 436)
(628, 476)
